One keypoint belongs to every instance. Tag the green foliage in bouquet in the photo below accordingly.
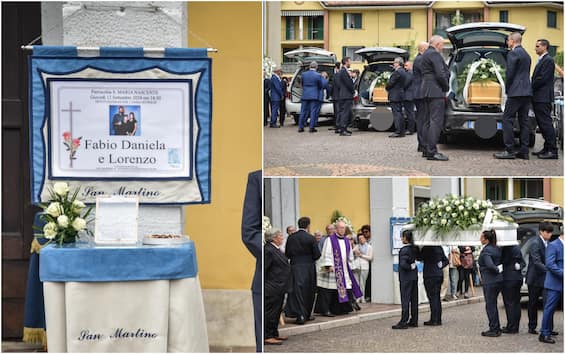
(452, 214)
(65, 216)
(484, 72)
(382, 78)
(338, 216)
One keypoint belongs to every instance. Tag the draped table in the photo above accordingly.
(123, 299)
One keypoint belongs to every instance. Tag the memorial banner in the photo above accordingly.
(118, 122)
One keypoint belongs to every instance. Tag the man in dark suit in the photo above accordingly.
(251, 234)
(333, 92)
(408, 102)
(535, 276)
(553, 288)
(519, 93)
(284, 84)
(491, 268)
(277, 96)
(513, 263)
(344, 94)
(395, 89)
(277, 276)
(434, 261)
(408, 278)
(312, 83)
(435, 83)
(542, 90)
(266, 98)
(302, 250)
(418, 97)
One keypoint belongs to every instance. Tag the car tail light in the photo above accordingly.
(356, 99)
(287, 94)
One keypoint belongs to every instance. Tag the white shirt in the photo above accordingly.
(328, 258)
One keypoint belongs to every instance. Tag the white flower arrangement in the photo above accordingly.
(382, 78)
(266, 224)
(268, 66)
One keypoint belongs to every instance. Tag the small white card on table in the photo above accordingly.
(116, 220)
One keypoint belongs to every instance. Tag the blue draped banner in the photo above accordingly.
(119, 121)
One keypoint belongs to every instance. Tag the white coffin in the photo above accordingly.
(506, 235)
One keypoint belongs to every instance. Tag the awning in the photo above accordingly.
(288, 13)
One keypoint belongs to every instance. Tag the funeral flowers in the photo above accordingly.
(452, 213)
(65, 216)
(382, 79)
(71, 146)
(481, 71)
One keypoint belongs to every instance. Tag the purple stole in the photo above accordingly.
(339, 271)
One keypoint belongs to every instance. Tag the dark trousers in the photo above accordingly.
(433, 124)
(367, 290)
(511, 297)
(420, 119)
(463, 278)
(433, 288)
(409, 301)
(543, 118)
(398, 117)
(274, 111)
(410, 115)
(336, 112)
(273, 309)
(257, 314)
(308, 109)
(315, 114)
(344, 116)
(282, 110)
(520, 106)
(552, 299)
(534, 294)
(301, 300)
(491, 292)
(266, 104)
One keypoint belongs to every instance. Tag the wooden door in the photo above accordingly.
(21, 23)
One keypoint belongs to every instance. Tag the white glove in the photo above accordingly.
(517, 266)
(413, 266)
(499, 268)
(439, 264)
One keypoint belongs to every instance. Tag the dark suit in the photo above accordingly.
(419, 100)
(512, 277)
(408, 278)
(535, 278)
(435, 83)
(282, 108)
(408, 103)
(433, 277)
(311, 85)
(542, 90)
(489, 260)
(251, 234)
(518, 92)
(553, 284)
(266, 100)
(302, 250)
(277, 276)
(277, 96)
(395, 89)
(344, 94)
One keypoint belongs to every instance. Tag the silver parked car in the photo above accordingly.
(366, 112)
(326, 62)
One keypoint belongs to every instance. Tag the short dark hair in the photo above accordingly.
(546, 226)
(303, 222)
(344, 60)
(544, 42)
(366, 227)
(408, 235)
(338, 65)
(490, 235)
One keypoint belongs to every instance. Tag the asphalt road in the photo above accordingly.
(370, 153)
(461, 332)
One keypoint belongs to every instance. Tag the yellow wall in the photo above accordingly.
(320, 197)
(235, 29)
(557, 191)
(535, 21)
(452, 5)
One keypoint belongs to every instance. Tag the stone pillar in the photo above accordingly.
(301, 28)
(284, 202)
(272, 30)
(510, 194)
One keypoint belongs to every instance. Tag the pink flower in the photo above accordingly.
(67, 136)
(76, 143)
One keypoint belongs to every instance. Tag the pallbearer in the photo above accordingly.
(490, 266)
(408, 277)
(512, 263)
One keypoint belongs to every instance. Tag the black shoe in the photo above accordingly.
(300, 320)
(412, 324)
(546, 339)
(274, 126)
(523, 156)
(505, 155)
(432, 323)
(312, 130)
(553, 333)
(420, 149)
(438, 156)
(396, 135)
(425, 154)
(542, 151)
(532, 331)
(400, 326)
(301, 130)
(345, 133)
(508, 331)
(328, 314)
(337, 131)
(311, 318)
(409, 133)
(356, 306)
(348, 131)
(548, 156)
(490, 333)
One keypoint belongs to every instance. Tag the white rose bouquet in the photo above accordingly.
(65, 216)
